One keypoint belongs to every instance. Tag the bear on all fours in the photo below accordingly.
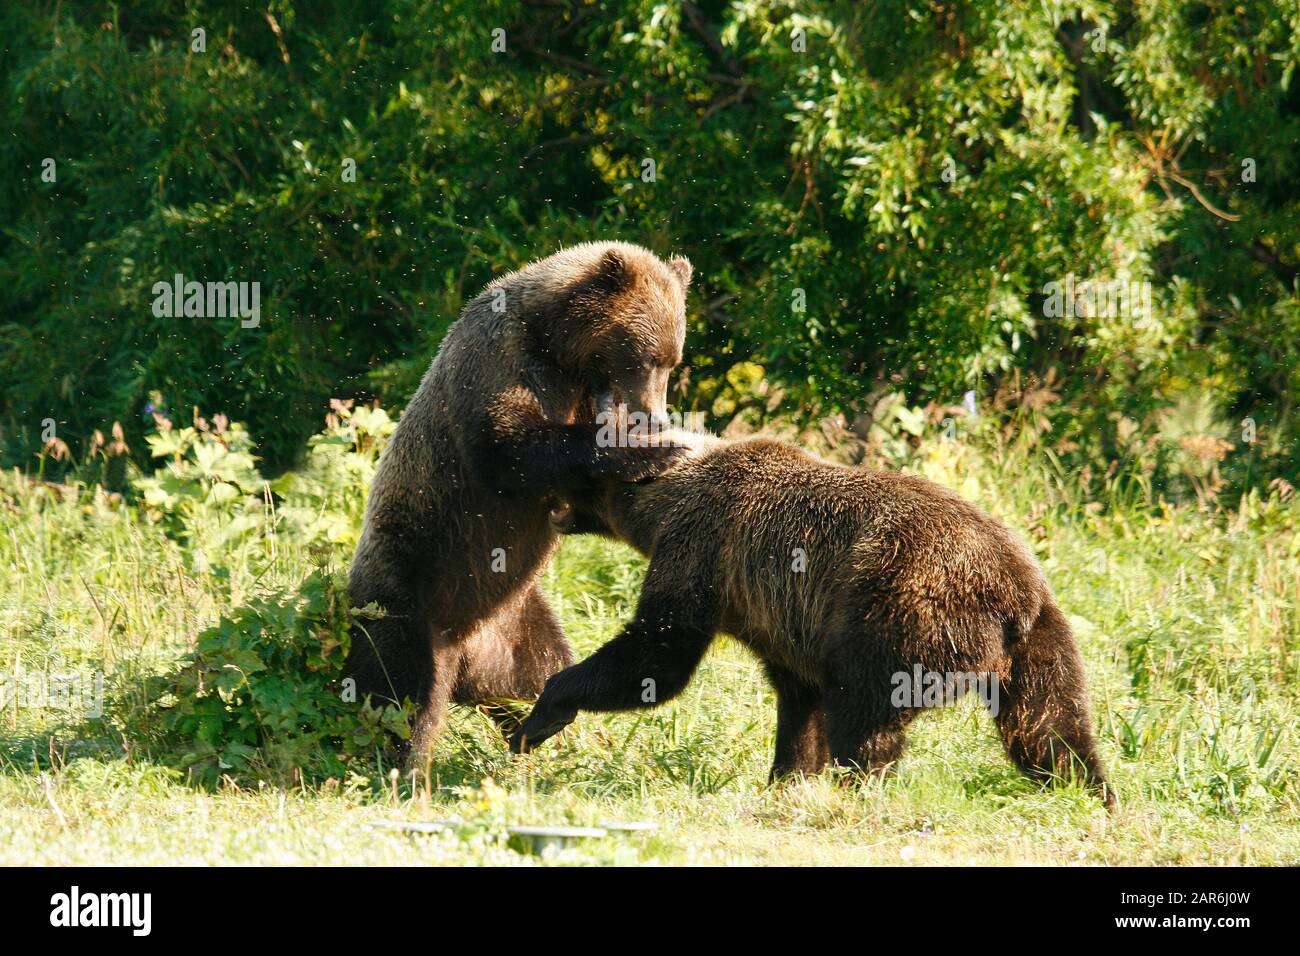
(839, 579)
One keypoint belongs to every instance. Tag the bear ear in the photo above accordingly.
(612, 272)
(683, 269)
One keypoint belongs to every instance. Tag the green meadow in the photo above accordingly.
(1187, 617)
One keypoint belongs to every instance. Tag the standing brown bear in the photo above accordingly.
(842, 580)
(456, 531)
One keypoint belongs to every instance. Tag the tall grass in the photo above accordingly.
(1188, 618)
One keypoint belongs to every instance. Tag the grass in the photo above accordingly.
(1189, 622)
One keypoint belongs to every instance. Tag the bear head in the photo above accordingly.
(617, 323)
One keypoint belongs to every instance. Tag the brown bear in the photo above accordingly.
(456, 532)
(845, 582)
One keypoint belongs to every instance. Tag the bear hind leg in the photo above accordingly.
(801, 746)
(393, 659)
(864, 730)
(433, 708)
(511, 658)
(1043, 715)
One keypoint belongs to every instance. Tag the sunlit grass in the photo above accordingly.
(1188, 623)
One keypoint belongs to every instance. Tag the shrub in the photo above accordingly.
(262, 692)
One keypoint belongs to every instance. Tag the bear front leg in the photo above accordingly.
(518, 451)
(650, 661)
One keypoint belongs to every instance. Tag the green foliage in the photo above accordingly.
(259, 691)
(914, 174)
(205, 546)
(262, 692)
(209, 495)
(325, 500)
(207, 492)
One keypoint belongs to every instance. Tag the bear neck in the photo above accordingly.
(629, 512)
